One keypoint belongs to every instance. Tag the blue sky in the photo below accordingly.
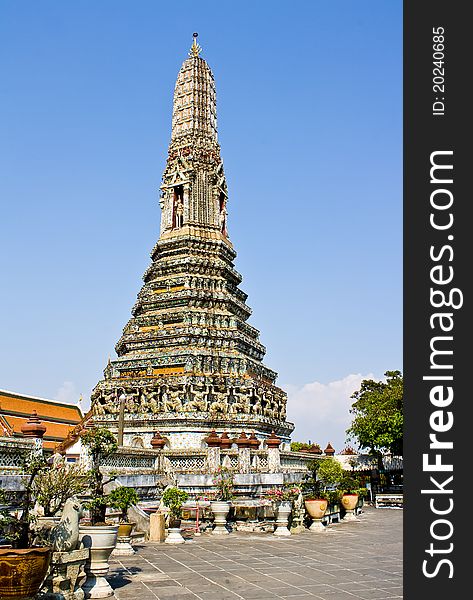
(309, 101)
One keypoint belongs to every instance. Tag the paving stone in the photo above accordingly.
(353, 561)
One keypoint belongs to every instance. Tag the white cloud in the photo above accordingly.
(67, 393)
(320, 411)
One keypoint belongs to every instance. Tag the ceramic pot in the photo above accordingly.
(125, 529)
(174, 536)
(220, 510)
(22, 572)
(101, 539)
(316, 509)
(349, 502)
(284, 510)
(123, 546)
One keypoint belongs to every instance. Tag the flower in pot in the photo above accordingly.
(220, 505)
(323, 475)
(173, 498)
(98, 536)
(23, 566)
(283, 498)
(122, 498)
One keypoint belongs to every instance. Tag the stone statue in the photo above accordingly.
(66, 534)
(298, 514)
(241, 404)
(98, 407)
(199, 399)
(111, 405)
(220, 403)
(256, 408)
(178, 212)
(173, 402)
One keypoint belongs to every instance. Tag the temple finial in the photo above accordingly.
(195, 48)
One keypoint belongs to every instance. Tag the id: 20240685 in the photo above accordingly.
(438, 71)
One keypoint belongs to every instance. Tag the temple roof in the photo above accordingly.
(58, 417)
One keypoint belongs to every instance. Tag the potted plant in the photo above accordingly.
(122, 498)
(324, 474)
(23, 566)
(100, 537)
(220, 504)
(173, 498)
(283, 498)
(53, 486)
(350, 488)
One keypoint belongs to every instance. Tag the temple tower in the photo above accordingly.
(188, 361)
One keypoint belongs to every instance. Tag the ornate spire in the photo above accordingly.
(195, 48)
(194, 190)
(194, 107)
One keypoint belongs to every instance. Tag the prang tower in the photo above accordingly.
(188, 361)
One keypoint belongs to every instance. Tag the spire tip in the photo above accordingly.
(195, 48)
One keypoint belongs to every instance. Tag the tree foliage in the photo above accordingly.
(16, 527)
(122, 498)
(53, 486)
(322, 478)
(100, 443)
(378, 414)
(173, 498)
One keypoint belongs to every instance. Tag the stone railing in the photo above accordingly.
(13, 453)
(295, 461)
(184, 461)
(132, 460)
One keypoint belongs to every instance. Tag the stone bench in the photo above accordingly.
(389, 500)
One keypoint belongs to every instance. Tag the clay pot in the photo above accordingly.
(22, 572)
(125, 529)
(349, 501)
(316, 509)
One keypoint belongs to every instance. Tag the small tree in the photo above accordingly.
(122, 498)
(173, 498)
(323, 478)
(224, 482)
(378, 415)
(53, 486)
(16, 528)
(100, 443)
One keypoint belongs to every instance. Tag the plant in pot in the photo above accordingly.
(52, 487)
(98, 536)
(173, 498)
(351, 490)
(122, 498)
(282, 499)
(323, 476)
(23, 566)
(220, 505)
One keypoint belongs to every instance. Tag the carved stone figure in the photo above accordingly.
(173, 402)
(199, 399)
(65, 535)
(241, 403)
(178, 212)
(110, 403)
(220, 403)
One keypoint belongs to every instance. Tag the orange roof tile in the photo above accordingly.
(58, 417)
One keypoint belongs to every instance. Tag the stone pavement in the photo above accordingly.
(351, 560)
